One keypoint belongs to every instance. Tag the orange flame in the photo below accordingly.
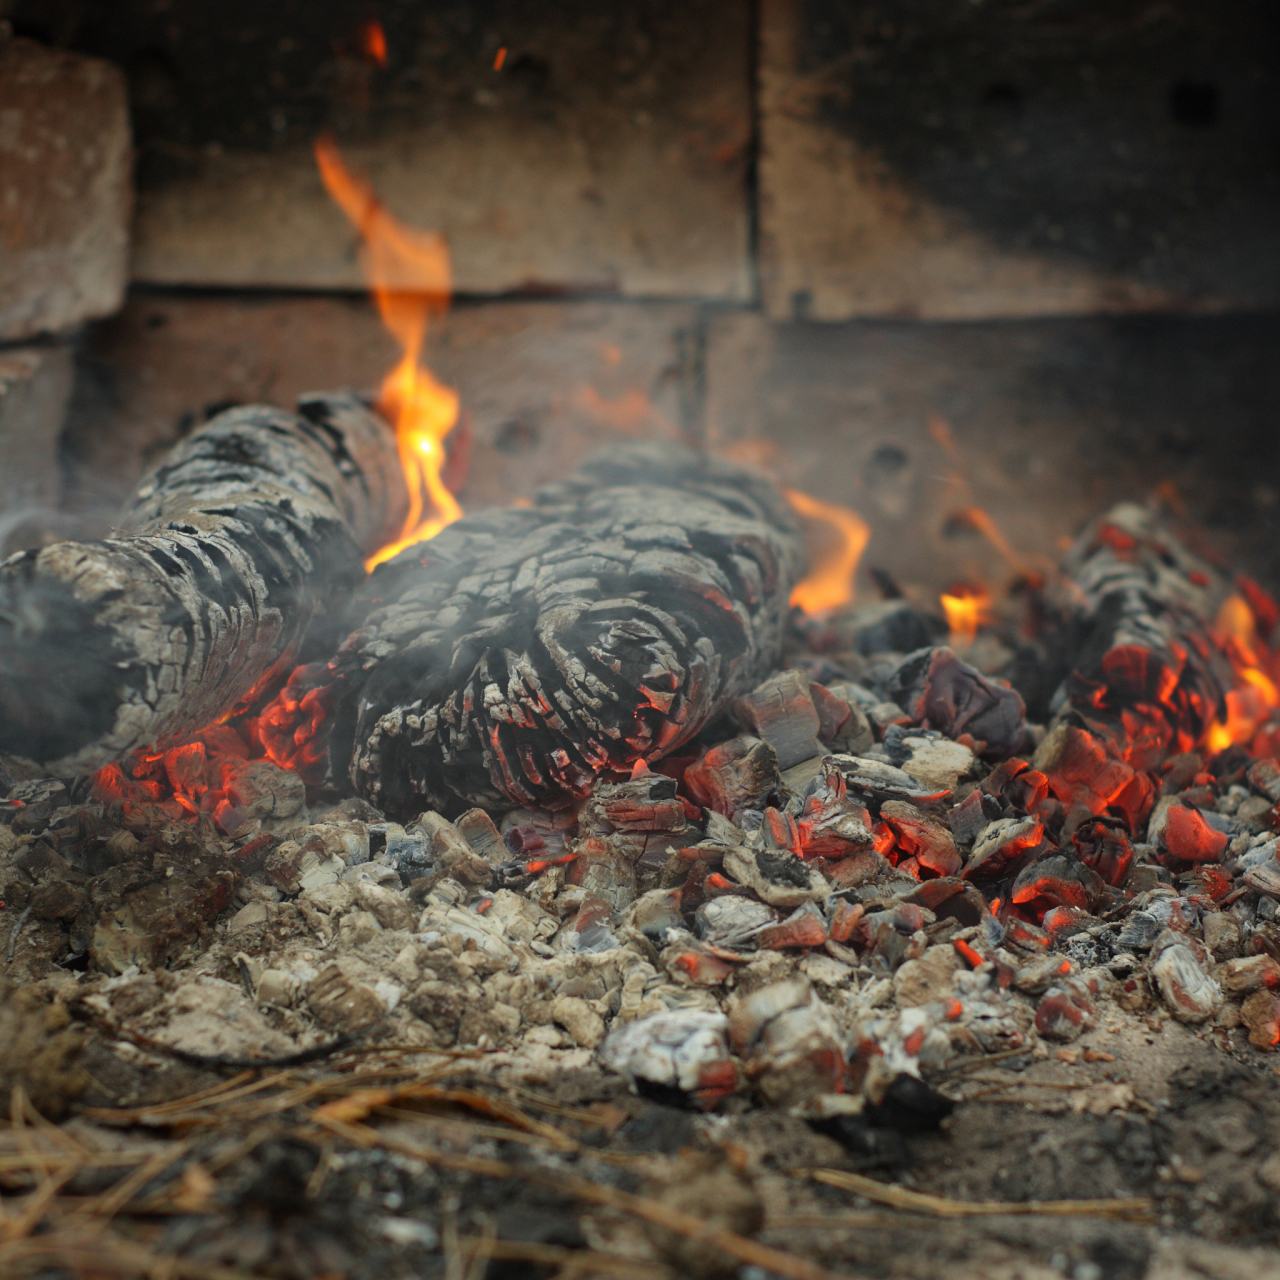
(631, 412)
(830, 583)
(967, 607)
(409, 274)
(1255, 696)
(500, 58)
(978, 519)
(1235, 621)
(940, 430)
(373, 43)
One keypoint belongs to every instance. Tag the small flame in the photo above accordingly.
(409, 274)
(500, 58)
(1255, 696)
(967, 608)
(830, 584)
(1169, 493)
(373, 43)
(1235, 621)
(940, 430)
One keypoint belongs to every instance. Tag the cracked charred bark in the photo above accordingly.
(523, 652)
(1141, 607)
(248, 532)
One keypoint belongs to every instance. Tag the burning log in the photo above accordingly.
(250, 531)
(523, 652)
(1148, 673)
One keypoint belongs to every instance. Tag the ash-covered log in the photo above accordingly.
(523, 652)
(226, 554)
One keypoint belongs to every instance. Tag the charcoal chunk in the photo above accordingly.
(936, 689)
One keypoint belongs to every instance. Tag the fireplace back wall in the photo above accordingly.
(808, 233)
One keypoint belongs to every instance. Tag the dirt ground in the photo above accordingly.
(378, 1163)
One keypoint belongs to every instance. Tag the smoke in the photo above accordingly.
(35, 525)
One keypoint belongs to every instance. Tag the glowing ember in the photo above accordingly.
(500, 58)
(830, 584)
(967, 607)
(373, 43)
(213, 775)
(409, 274)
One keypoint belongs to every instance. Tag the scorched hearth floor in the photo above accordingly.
(562, 898)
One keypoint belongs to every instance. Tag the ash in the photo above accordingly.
(876, 895)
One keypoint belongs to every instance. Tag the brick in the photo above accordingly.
(65, 188)
(541, 383)
(609, 154)
(1063, 169)
(1041, 424)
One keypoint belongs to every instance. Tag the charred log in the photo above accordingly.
(523, 652)
(1146, 670)
(226, 554)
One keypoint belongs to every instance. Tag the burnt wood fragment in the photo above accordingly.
(1058, 879)
(226, 554)
(643, 819)
(782, 712)
(734, 775)
(938, 690)
(524, 652)
(920, 837)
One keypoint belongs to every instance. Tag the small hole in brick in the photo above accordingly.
(531, 74)
(1195, 104)
(1001, 95)
(888, 460)
(518, 435)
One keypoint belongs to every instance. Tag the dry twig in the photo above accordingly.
(570, 1261)
(95, 1253)
(1136, 1208)
(747, 1251)
(111, 1202)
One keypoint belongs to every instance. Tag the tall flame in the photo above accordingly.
(830, 584)
(409, 273)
